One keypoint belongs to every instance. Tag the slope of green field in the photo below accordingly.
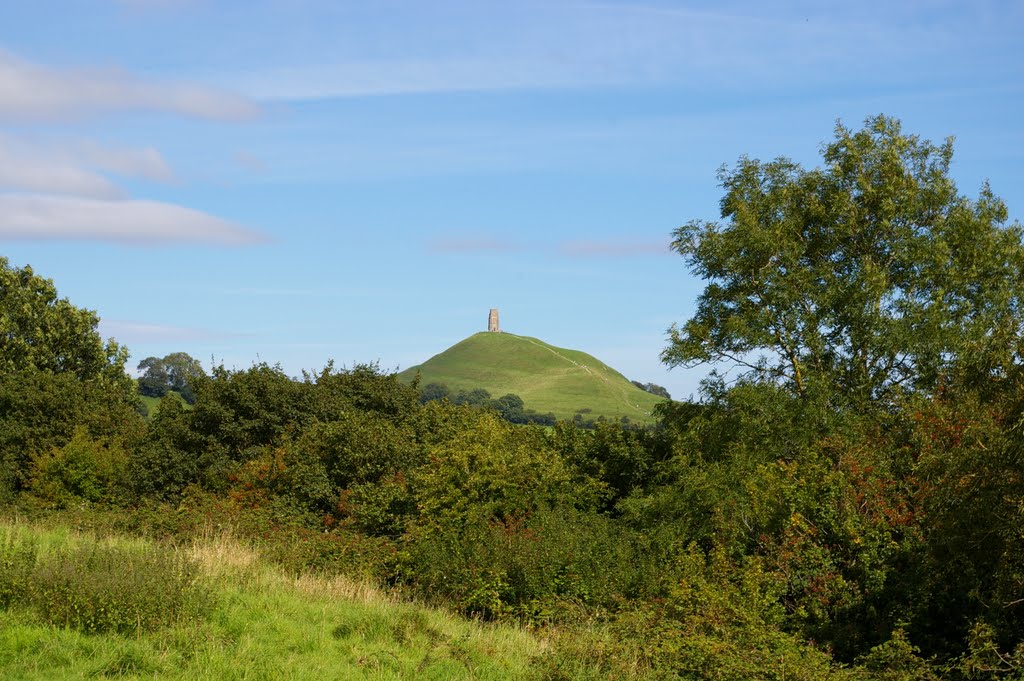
(548, 378)
(153, 403)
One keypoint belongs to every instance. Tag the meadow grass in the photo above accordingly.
(547, 378)
(259, 623)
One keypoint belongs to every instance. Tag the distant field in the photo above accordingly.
(548, 378)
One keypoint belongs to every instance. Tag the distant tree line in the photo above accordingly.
(653, 389)
(509, 406)
(175, 372)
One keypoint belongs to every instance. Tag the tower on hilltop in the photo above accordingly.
(492, 321)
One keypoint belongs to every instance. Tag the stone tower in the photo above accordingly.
(492, 321)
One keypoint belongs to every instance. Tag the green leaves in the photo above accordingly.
(40, 331)
(869, 275)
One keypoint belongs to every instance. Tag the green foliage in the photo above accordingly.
(721, 621)
(174, 372)
(971, 458)
(40, 411)
(870, 274)
(45, 333)
(434, 391)
(552, 565)
(83, 470)
(623, 458)
(166, 461)
(17, 565)
(56, 373)
(653, 388)
(895, 660)
(237, 411)
(510, 406)
(985, 660)
(494, 469)
(364, 388)
(238, 414)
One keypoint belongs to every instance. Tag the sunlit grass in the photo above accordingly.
(262, 624)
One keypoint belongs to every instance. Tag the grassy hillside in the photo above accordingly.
(250, 621)
(548, 378)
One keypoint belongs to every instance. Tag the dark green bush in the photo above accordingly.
(547, 566)
(83, 470)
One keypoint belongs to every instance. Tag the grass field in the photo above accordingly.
(257, 622)
(153, 403)
(548, 378)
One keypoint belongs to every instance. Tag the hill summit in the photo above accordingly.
(547, 378)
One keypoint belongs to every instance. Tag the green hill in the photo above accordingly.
(548, 378)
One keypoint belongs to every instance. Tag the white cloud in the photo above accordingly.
(624, 248)
(26, 171)
(31, 92)
(71, 168)
(48, 218)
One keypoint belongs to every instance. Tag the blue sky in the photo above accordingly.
(303, 180)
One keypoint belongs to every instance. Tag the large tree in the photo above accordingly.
(40, 331)
(56, 374)
(175, 372)
(866, 274)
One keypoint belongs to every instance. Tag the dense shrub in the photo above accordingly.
(550, 565)
(40, 411)
(83, 470)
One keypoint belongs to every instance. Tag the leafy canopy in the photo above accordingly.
(174, 372)
(868, 274)
(40, 331)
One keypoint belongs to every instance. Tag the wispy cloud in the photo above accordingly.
(475, 245)
(140, 223)
(558, 45)
(127, 331)
(72, 168)
(283, 292)
(250, 162)
(411, 76)
(626, 247)
(143, 162)
(30, 91)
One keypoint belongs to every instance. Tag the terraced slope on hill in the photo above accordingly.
(548, 378)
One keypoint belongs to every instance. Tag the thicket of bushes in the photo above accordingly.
(755, 527)
(850, 507)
